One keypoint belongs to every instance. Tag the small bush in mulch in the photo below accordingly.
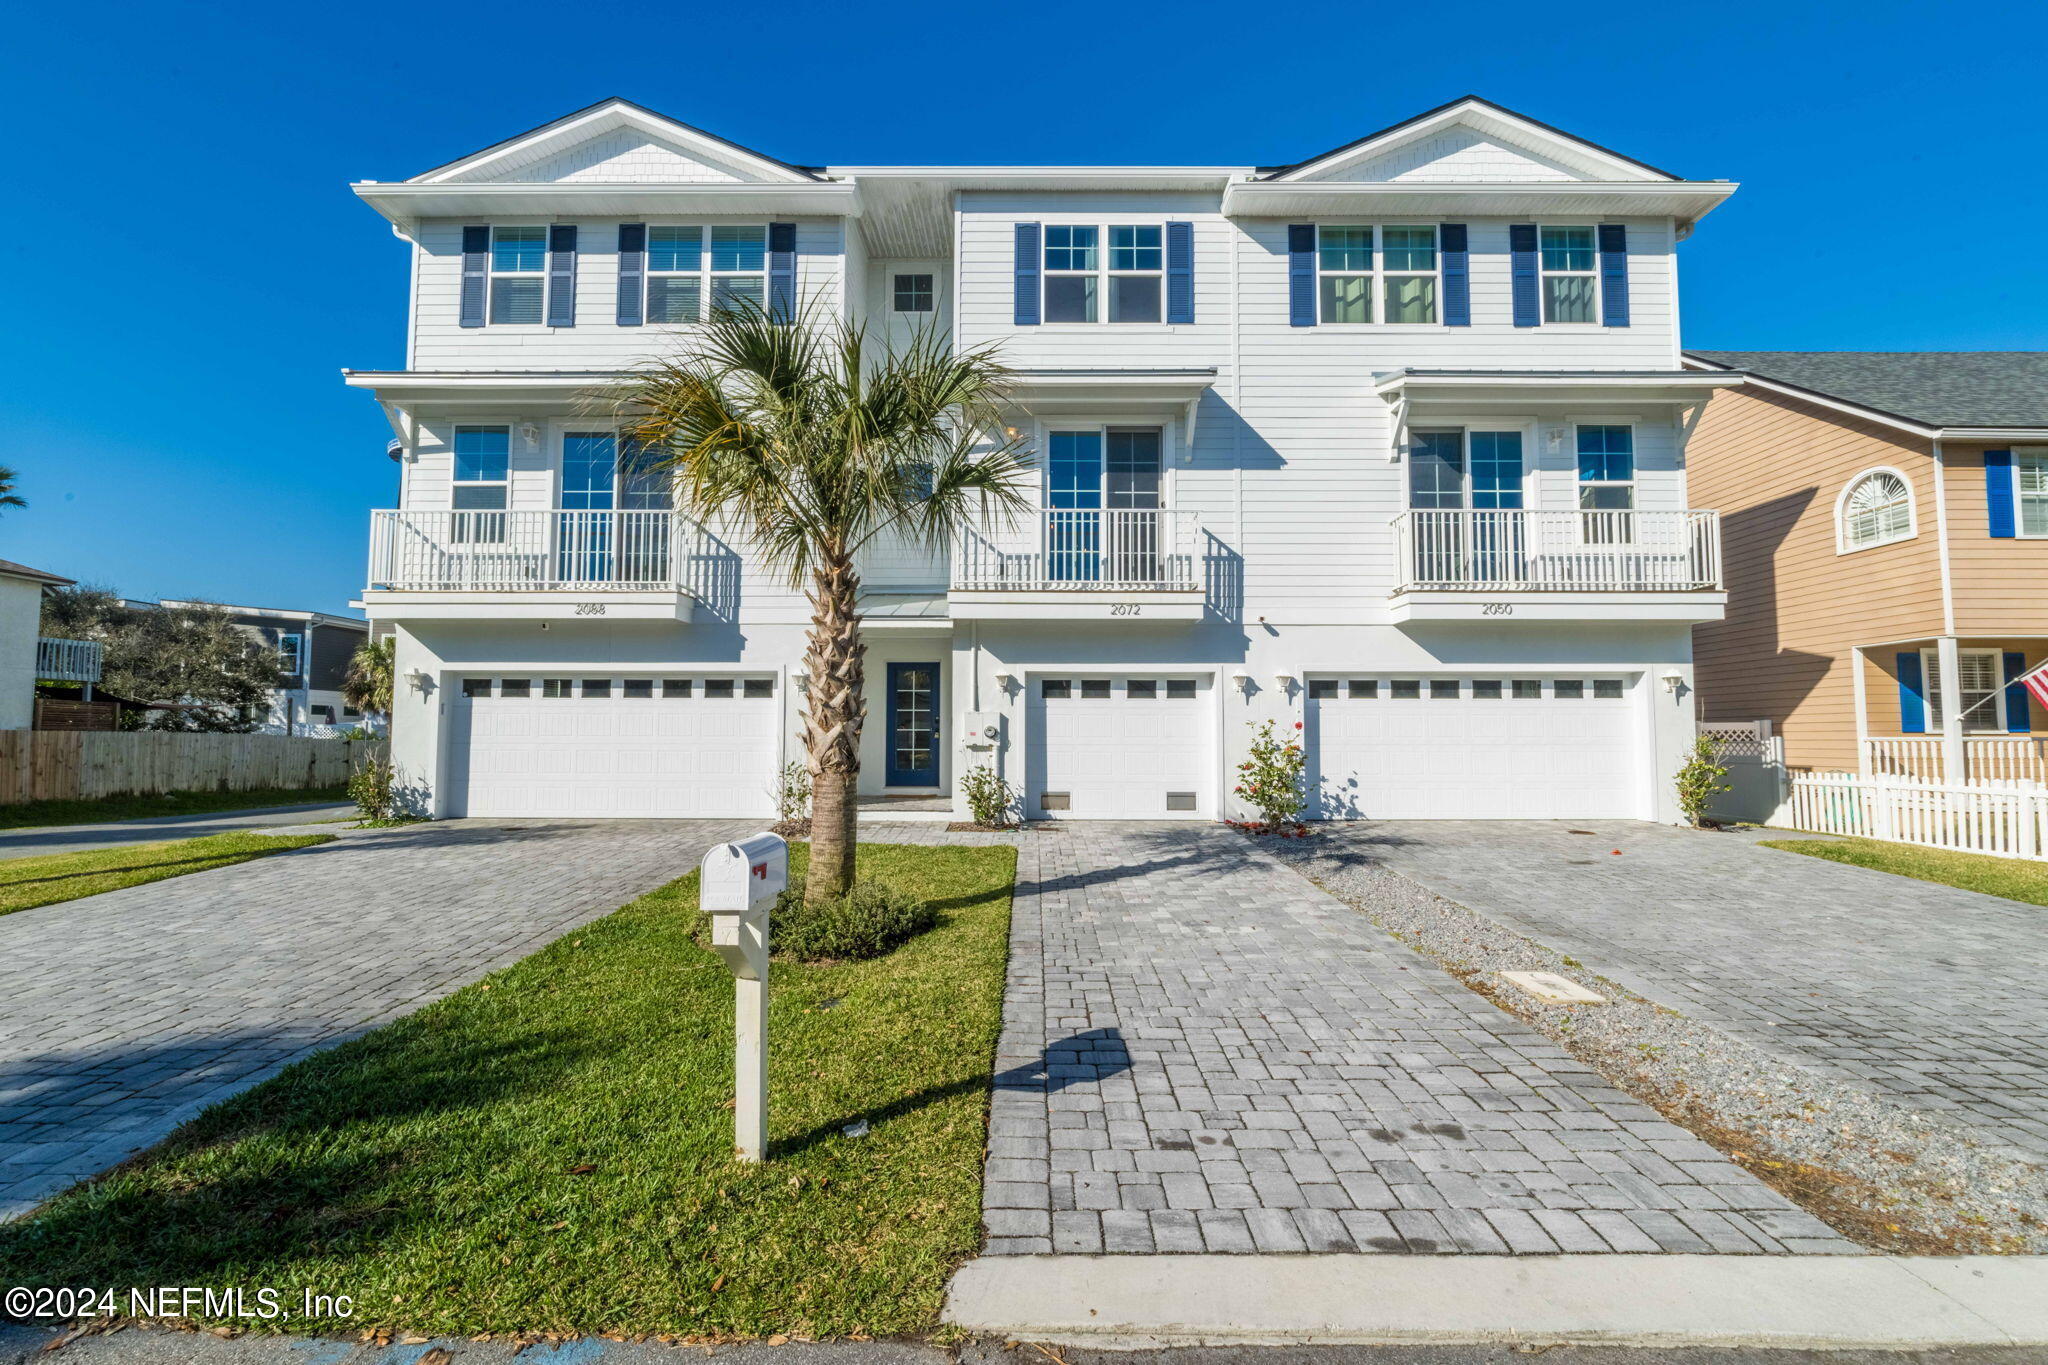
(792, 829)
(1018, 827)
(872, 919)
(1285, 829)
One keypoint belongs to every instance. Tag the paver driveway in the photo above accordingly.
(125, 1013)
(1203, 1052)
(1928, 995)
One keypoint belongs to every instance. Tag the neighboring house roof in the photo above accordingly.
(1937, 388)
(281, 614)
(10, 569)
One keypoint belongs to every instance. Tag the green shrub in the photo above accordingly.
(990, 800)
(370, 787)
(873, 918)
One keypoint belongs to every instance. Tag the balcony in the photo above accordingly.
(1081, 564)
(482, 565)
(75, 661)
(1558, 565)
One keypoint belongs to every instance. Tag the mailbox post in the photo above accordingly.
(738, 885)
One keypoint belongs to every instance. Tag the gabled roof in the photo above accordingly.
(10, 569)
(614, 112)
(1482, 113)
(1935, 388)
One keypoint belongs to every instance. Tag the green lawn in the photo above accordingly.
(33, 813)
(2011, 878)
(550, 1149)
(26, 883)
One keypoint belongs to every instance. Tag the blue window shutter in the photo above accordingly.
(562, 275)
(2017, 719)
(476, 274)
(1026, 268)
(1522, 269)
(1454, 254)
(1998, 493)
(1912, 700)
(1301, 275)
(782, 271)
(632, 273)
(1180, 272)
(1613, 275)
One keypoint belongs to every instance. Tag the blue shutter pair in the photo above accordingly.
(1612, 239)
(1026, 261)
(1454, 255)
(1913, 694)
(1998, 494)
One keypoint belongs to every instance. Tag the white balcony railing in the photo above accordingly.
(421, 551)
(1986, 758)
(1558, 551)
(68, 660)
(1082, 550)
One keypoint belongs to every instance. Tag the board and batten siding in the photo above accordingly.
(1774, 467)
(1291, 466)
(597, 341)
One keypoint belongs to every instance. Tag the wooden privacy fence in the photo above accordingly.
(71, 765)
(2007, 820)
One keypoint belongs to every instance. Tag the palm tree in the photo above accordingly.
(367, 686)
(8, 497)
(802, 436)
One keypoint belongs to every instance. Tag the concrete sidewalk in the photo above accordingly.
(46, 839)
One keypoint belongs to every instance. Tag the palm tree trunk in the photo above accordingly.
(832, 721)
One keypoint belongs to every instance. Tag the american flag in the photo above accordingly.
(2036, 682)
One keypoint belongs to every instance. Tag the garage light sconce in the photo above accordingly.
(1673, 681)
(1284, 681)
(418, 679)
(1243, 681)
(1002, 682)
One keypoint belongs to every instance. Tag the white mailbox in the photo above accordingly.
(737, 886)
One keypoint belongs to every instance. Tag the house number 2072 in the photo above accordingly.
(1496, 609)
(1123, 609)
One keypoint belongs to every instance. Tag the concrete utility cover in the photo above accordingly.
(1551, 986)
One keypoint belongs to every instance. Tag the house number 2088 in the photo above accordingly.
(590, 608)
(1123, 609)
(1496, 609)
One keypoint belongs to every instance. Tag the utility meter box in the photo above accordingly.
(982, 730)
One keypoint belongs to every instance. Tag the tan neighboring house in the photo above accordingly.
(1885, 529)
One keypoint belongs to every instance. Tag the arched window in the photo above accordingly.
(1876, 509)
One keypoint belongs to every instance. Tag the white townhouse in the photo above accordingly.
(1387, 444)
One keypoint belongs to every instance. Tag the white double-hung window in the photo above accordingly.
(519, 262)
(1408, 263)
(1344, 273)
(2030, 486)
(1090, 280)
(688, 265)
(1569, 259)
(1404, 259)
(1980, 694)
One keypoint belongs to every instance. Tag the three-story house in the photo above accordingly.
(1386, 444)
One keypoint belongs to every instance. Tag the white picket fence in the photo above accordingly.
(2004, 819)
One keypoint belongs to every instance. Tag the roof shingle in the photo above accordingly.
(1938, 388)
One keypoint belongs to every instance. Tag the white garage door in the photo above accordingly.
(1472, 748)
(1120, 748)
(596, 747)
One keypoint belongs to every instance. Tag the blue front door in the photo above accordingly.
(913, 725)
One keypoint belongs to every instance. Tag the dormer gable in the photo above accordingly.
(616, 142)
(1469, 141)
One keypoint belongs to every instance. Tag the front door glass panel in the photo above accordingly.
(913, 725)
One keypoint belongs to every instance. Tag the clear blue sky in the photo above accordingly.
(187, 270)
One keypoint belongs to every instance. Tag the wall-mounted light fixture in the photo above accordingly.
(418, 679)
(1243, 681)
(1283, 681)
(1003, 681)
(529, 432)
(1673, 681)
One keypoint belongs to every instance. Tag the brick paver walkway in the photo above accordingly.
(1204, 1052)
(125, 1013)
(1928, 995)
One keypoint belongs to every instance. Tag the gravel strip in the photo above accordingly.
(1894, 1179)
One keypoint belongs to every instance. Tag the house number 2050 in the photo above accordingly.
(1123, 609)
(1496, 609)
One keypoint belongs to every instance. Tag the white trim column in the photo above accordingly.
(1860, 686)
(1948, 657)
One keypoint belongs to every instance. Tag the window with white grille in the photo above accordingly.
(1981, 696)
(1876, 510)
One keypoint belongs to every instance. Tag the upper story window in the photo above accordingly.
(1607, 468)
(688, 265)
(1407, 266)
(912, 294)
(1876, 509)
(291, 654)
(2030, 483)
(519, 262)
(483, 465)
(1569, 258)
(1086, 283)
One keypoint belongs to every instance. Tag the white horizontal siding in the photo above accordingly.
(597, 341)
